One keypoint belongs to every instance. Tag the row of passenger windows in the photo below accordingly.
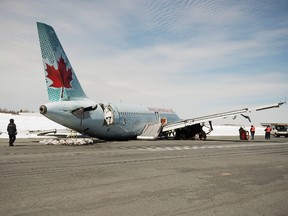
(135, 113)
(139, 113)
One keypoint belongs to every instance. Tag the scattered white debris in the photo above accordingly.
(69, 141)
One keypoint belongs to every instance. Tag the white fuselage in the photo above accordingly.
(106, 121)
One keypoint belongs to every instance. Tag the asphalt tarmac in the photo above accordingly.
(220, 176)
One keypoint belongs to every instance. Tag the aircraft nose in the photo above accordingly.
(43, 109)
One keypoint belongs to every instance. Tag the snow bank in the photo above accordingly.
(233, 130)
(27, 122)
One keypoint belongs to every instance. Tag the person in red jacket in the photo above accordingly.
(267, 132)
(252, 131)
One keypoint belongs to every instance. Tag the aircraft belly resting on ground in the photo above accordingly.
(105, 121)
(70, 107)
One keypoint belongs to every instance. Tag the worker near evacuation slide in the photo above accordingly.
(252, 131)
(12, 132)
(267, 132)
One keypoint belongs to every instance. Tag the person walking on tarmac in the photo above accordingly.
(12, 132)
(267, 132)
(252, 131)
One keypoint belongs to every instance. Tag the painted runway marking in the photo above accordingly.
(179, 148)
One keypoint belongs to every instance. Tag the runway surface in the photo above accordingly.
(220, 176)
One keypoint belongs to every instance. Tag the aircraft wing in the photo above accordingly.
(197, 120)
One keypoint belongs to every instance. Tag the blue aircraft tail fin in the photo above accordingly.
(61, 80)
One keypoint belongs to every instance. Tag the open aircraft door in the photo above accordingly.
(111, 114)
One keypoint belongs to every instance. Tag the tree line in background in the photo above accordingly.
(13, 111)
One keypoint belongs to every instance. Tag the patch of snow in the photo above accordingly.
(26, 122)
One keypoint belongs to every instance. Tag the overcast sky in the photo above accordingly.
(196, 57)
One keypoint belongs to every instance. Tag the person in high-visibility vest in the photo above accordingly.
(252, 131)
(267, 132)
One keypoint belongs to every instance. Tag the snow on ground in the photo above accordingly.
(26, 122)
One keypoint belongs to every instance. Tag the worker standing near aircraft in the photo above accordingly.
(12, 132)
(252, 131)
(267, 132)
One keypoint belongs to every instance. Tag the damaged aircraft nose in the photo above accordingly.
(43, 109)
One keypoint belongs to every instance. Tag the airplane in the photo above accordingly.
(70, 107)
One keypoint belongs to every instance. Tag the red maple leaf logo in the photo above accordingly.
(61, 77)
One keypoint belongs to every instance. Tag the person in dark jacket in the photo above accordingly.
(12, 132)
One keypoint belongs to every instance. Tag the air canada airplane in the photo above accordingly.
(70, 107)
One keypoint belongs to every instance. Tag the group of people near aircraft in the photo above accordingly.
(244, 135)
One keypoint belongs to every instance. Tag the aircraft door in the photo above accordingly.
(157, 116)
(111, 114)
